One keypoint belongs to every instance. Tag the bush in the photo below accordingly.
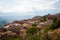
(56, 24)
(32, 30)
(53, 26)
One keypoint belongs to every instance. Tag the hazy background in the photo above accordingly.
(23, 9)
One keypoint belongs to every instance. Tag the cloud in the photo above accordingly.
(22, 6)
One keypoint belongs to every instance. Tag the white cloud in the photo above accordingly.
(26, 5)
(44, 4)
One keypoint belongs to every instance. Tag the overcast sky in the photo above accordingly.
(29, 7)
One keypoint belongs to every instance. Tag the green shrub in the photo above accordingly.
(32, 30)
(56, 24)
(53, 26)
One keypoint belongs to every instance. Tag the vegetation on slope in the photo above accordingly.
(48, 33)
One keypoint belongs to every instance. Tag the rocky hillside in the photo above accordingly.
(37, 24)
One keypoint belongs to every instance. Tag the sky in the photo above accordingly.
(28, 8)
